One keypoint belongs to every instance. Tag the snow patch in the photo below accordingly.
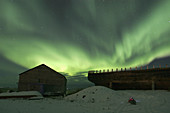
(23, 94)
(94, 94)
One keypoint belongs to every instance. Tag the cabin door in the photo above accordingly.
(42, 88)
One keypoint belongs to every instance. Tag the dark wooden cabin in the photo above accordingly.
(144, 79)
(43, 79)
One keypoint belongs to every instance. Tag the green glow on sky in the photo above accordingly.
(99, 35)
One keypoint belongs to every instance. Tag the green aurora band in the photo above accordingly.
(84, 35)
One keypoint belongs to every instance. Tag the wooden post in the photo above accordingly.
(125, 69)
(159, 65)
(153, 85)
(110, 85)
(116, 69)
(141, 68)
(136, 67)
(99, 71)
(130, 68)
(121, 69)
(112, 70)
(107, 70)
(153, 66)
(103, 70)
(96, 71)
(91, 72)
(166, 65)
(147, 67)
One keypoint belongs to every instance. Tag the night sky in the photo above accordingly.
(75, 36)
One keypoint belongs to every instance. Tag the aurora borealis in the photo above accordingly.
(74, 36)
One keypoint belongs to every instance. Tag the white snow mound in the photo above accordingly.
(94, 94)
(22, 93)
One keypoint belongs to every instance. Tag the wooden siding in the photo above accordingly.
(158, 78)
(42, 78)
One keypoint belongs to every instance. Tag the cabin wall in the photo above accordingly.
(42, 80)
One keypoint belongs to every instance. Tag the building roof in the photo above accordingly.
(42, 65)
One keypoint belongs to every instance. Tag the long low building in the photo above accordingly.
(146, 79)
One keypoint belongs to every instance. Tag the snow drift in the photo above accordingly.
(22, 94)
(94, 94)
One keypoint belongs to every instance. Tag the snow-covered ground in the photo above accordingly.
(96, 99)
(36, 93)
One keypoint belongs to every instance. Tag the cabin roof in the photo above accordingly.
(42, 65)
